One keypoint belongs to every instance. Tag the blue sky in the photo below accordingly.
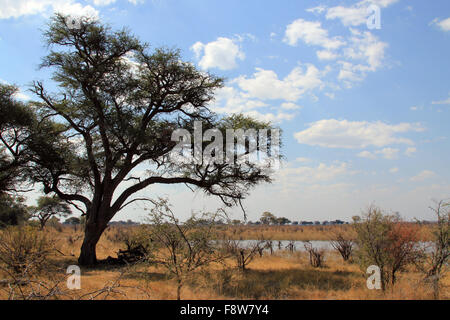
(365, 112)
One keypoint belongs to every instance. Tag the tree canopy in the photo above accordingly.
(49, 207)
(116, 107)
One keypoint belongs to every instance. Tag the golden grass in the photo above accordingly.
(280, 276)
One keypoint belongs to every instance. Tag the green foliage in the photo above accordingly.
(283, 221)
(48, 207)
(73, 221)
(15, 122)
(268, 218)
(385, 241)
(115, 109)
(13, 211)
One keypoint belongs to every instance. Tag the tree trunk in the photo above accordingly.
(180, 284)
(92, 234)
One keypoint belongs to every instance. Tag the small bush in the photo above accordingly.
(385, 241)
(24, 250)
(139, 245)
(343, 246)
(316, 256)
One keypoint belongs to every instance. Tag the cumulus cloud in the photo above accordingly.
(271, 117)
(303, 160)
(356, 14)
(331, 133)
(318, 9)
(18, 8)
(312, 33)
(393, 170)
(366, 47)
(366, 154)
(349, 16)
(424, 175)
(230, 100)
(388, 153)
(326, 55)
(103, 2)
(265, 84)
(365, 53)
(290, 106)
(446, 101)
(443, 24)
(320, 173)
(361, 52)
(222, 53)
(410, 151)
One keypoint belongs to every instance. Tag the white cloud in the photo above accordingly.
(447, 101)
(425, 174)
(312, 33)
(366, 47)
(222, 54)
(229, 100)
(366, 53)
(349, 16)
(17, 8)
(326, 55)
(360, 53)
(330, 95)
(103, 2)
(410, 151)
(444, 24)
(388, 153)
(244, 36)
(266, 85)
(331, 133)
(290, 106)
(321, 173)
(356, 14)
(272, 117)
(20, 94)
(366, 154)
(318, 9)
(303, 160)
(393, 170)
(350, 73)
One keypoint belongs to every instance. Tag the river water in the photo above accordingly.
(299, 245)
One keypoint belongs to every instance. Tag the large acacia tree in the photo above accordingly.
(115, 109)
(15, 123)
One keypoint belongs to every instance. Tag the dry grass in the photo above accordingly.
(280, 276)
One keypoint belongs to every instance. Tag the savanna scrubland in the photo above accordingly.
(117, 106)
(283, 274)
